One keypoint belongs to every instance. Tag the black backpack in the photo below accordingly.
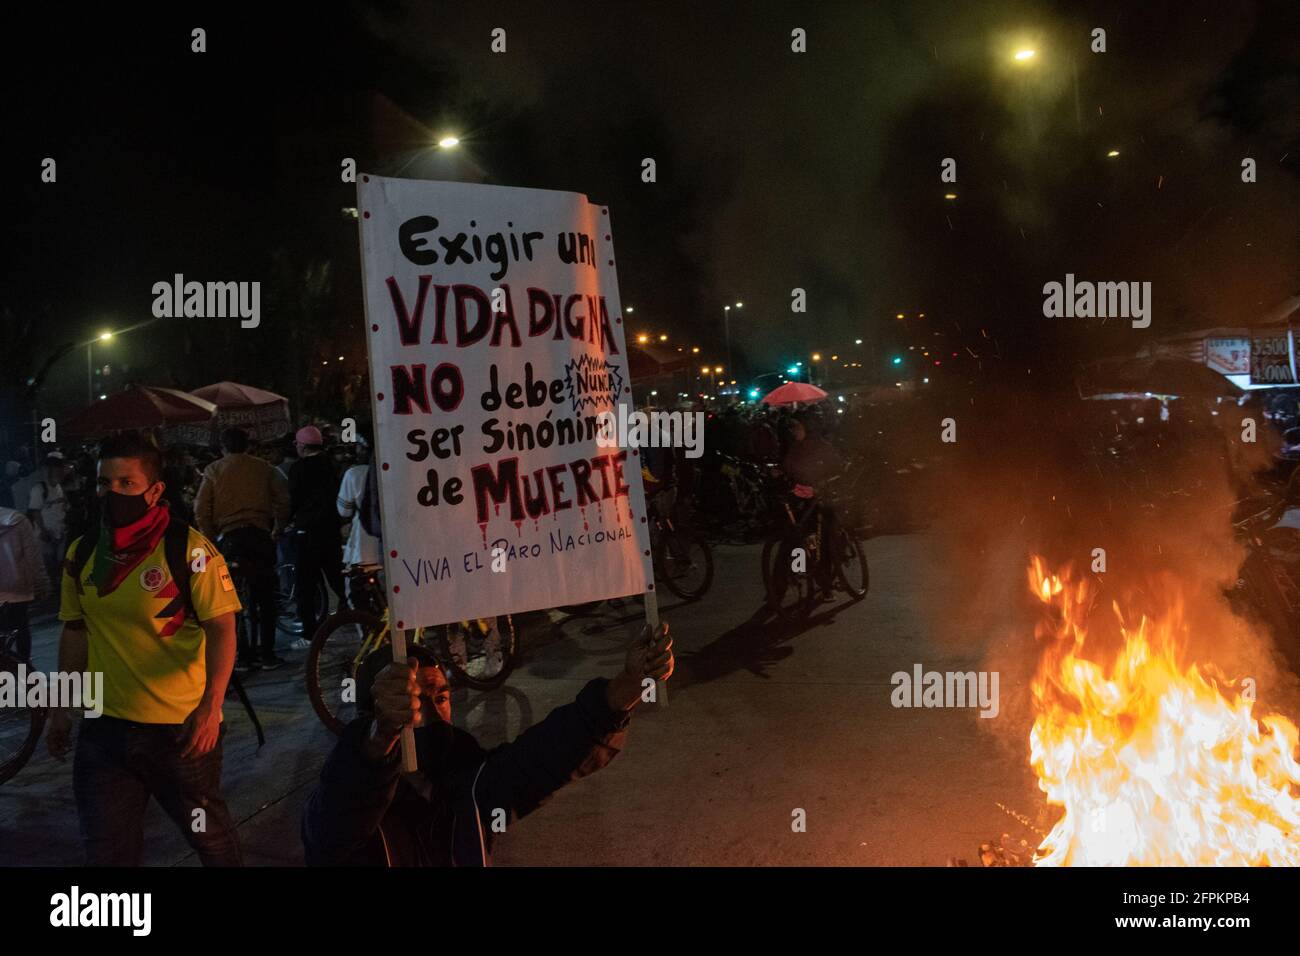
(176, 542)
(371, 521)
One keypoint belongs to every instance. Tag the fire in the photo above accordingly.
(1153, 763)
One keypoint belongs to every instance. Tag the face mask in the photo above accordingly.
(122, 510)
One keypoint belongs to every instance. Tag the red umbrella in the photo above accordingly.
(792, 392)
(264, 415)
(233, 395)
(140, 406)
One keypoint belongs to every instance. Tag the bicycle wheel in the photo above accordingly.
(851, 570)
(790, 593)
(333, 658)
(20, 730)
(683, 563)
(480, 654)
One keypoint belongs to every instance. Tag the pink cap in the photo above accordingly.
(309, 435)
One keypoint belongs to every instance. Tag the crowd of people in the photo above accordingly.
(267, 504)
(146, 560)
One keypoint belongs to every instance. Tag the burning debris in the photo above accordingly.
(1152, 761)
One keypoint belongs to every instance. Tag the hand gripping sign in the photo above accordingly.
(496, 340)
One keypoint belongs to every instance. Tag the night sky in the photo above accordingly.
(775, 170)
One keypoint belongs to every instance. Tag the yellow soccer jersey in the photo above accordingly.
(152, 657)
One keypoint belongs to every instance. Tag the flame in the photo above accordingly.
(1152, 762)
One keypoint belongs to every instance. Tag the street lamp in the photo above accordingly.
(726, 326)
(104, 336)
(448, 142)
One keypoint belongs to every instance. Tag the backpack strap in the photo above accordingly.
(176, 546)
(81, 553)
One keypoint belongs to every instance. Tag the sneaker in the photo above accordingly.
(247, 665)
(272, 663)
(302, 644)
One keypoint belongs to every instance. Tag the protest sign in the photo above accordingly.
(496, 341)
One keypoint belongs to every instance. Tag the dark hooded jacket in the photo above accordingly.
(363, 813)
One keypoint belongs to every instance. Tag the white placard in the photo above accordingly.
(495, 339)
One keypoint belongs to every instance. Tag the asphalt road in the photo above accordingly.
(761, 721)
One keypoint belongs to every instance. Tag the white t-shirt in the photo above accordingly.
(361, 548)
(48, 498)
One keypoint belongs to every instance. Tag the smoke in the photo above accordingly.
(1032, 473)
(820, 170)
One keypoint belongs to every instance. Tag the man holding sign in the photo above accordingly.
(496, 342)
(365, 812)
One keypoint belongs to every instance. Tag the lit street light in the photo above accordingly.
(105, 336)
(448, 142)
(726, 326)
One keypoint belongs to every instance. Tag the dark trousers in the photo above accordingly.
(253, 551)
(119, 765)
(13, 617)
(317, 551)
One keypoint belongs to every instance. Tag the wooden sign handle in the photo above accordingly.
(409, 762)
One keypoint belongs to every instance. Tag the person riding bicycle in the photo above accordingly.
(810, 461)
(447, 813)
(243, 504)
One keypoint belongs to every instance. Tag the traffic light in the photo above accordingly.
(897, 360)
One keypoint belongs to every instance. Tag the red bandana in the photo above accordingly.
(121, 550)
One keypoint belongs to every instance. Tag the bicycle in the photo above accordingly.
(20, 726)
(791, 592)
(480, 654)
(682, 558)
(734, 497)
(286, 600)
